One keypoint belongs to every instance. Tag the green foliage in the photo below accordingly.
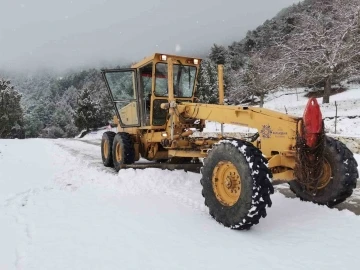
(50, 102)
(11, 113)
(207, 87)
(218, 54)
(32, 125)
(87, 113)
(52, 132)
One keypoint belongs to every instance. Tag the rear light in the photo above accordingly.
(163, 57)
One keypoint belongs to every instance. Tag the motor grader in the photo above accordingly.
(157, 115)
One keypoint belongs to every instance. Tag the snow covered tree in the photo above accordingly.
(99, 92)
(32, 125)
(50, 100)
(11, 113)
(52, 132)
(62, 116)
(70, 96)
(70, 130)
(258, 78)
(207, 87)
(236, 93)
(325, 44)
(218, 54)
(86, 114)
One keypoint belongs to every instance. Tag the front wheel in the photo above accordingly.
(106, 148)
(236, 184)
(123, 151)
(338, 179)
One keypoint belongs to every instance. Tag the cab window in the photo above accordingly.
(184, 80)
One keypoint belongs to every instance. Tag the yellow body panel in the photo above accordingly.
(277, 131)
(129, 115)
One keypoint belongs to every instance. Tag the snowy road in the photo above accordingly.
(61, 209)
(92, 155)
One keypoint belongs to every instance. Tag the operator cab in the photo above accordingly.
(138, 92)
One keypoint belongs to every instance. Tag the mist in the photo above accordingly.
(79, 33)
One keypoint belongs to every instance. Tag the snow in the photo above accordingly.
(96, 135)
(348, 104)
(59, 211)
(357, 157)
(293, 102)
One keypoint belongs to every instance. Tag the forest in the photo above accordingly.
(313, 44)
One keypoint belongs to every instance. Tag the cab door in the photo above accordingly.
(122, 87)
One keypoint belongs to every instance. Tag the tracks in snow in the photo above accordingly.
(182, 186)
(352, 204)
(14, 208)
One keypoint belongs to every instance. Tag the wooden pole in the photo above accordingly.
(335, 115)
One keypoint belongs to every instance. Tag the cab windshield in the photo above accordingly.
(184, 80)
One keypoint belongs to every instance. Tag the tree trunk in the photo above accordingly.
(327, 90)
(261, 100)
(1, 131)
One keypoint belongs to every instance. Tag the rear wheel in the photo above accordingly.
(338, 179)
(106, 148)
(236, 184)
(123, 151)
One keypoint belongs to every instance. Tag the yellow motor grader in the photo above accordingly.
(157, 116)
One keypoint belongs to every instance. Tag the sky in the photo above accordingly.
(76, 33)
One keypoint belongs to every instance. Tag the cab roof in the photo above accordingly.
(156, 57)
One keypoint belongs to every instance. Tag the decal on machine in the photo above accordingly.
(279, 133)
(266, 131)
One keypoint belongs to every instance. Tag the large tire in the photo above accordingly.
(342, 180)
(123, 151)
(251, 180)
(106, 148)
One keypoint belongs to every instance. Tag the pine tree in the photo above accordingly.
(86, 115)
(207, 87)
(11, 113)
(32, 125)
(218, 54)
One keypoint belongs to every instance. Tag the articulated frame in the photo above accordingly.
(276, 140)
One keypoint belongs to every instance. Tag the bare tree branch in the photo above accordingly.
(324, 46)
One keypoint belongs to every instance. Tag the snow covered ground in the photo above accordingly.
(60, 209)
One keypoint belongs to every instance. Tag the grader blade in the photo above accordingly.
(191, 167)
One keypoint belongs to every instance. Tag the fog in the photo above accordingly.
(65, 34)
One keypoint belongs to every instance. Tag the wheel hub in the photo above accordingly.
(106, 148)
(325, 176)
(226, 183)
(118, 152)
(324, 179)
